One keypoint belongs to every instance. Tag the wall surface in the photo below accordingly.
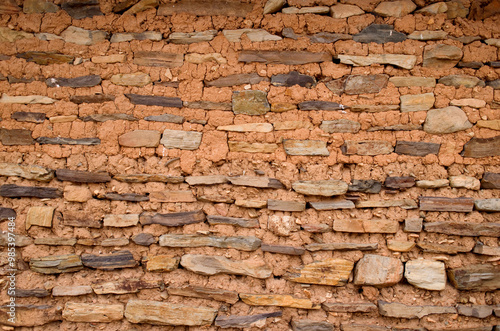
(274, 165)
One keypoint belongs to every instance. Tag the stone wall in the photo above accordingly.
(305, 165)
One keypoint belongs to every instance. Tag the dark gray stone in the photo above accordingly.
(380, 34)
(328, 37)
(360, 84)
(109, 117)
(490, 180)
(169, 118)
(68, 141)
(482, 147)
(144, 239)
(152, 100)
(234, 321)
(15, 191)
(365, 186)
(310, 325)
(77, 176)
(24, 116)
(96, 98)
(284, 57)
(133, 197)
(83, 81)
(79, 9)
(289, 33)
(116, 260)
(237, 79)
(416, 148)
(293, 78)
(494, 83)
(319, 105)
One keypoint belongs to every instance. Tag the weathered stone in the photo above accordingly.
(344, 11)
(152, 100)
(32, 172)
(476, 277)
(282, 107)
(191, 37)
(305, 147)
(172, 196)
(208, 105)
(136, 79)
(395, 8)
(442, 248)
(325, 188)
(288, 250)
(144, 239)
(207, 180)
(63, 119)
(438, 183)
(237, 79)
(260, 182)
(366, 147)
(250, 102)
(120, 221)
(190, 240)
(92, 312)
(29, 315)
(273, 6)
(23, 116)
(306, 10)
(377, 270)
(399, 245)
(158, 59)
(56, 264)
(293, 78)
(311, 325)
(481, 249)
(413, 81)
(109, 59)
(428, 35)
(255, 35)
(441, 56)
(124, 286)
(186, 140)
(14, 191)
(293, 125)
(446, 204)
(79, 9)
(161, 263)
(490, 180)
(6, 213)
(230, 297)
(416, 148)
(78, 176)
(280, 300)
(116, 260)
(96, 98)
(68, 141)
(198, 58)
(341, 247)
(202, 8)
(446, 120)
(328, 37)
(212, 265)
(9, 36)
(492, 124)
(39, 7)
(464, 228)
(354, 307)
(28, 99)
(404, 203)
(140, 138)
(467, 182)
(333, 272)
(365, 186)
(234, 321)
(373, 108)
(284, 57)
(398, 60)
(456, 9)
(84, 37)
(55, 241)
(283, 205)
(380, 34)
(399, 310)
(282, 225)
(494, 83)
(366, 226)
(332, 204)
(45, 58)
(174, 219)
(397, 127)
(477, 311)
(399, 182)
(248, 127)
(10, 237)
(76, 219)
(360, 84)
(477, 147)
(461, 80)
(142, 6)
(488, 205)
(417, 102)
(251, 203)
(474, 103)
(426, 274)
(48, 36)
(168, 118)
(242, 222)
(413, 225)
(434, 9)
(113, 242)
(145, 178)
(71, 291)
(109, 117)
(317, 228)
(320, 105)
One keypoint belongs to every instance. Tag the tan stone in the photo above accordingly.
(441, 56)
(92, 312)
(28, 99)
(206, 180)
(366, 226)
(446, 120)
(161, 263)
(398, 60)
(76, 193)
(326, 188)
(345, 11)
(282, 225)
(474, 103)
(26, 171)
(121, 221)
(399, 310)
(426, 274)
(172, 196)
(395, 8)
(377, 270)
(493, 42)
(255, 35)
(211, 265)
(281, 300)
(413, 81)
(111, 242)
(41, 216)
(400, 246)
(292, 125)
(305, 147)
(417, 102)
(63, 119)
(492, 124)
(197, 58)
(245, 147)
(251, 203)
(71, 291)
(273, 6)
(437, 183)
(108, 59)
(248, 127)
(405, 204)
(81, 36)
(435, 8)
(306, 10)
(55, 241)
(282, 107)
(367, 147)
(333, 272)
(9, 36)
(136, 79)
(427, 35)
(186, 140)
(467, 182)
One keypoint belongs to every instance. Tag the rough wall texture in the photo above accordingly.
(305, 165)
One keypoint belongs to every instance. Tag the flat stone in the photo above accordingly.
(434, 9)
(292, 125)
(255, 35)
(63, 119)
(282, 225)
(248, 127)
(417, 102)
(19, 239)
(399, 182)
(366, 226)
(464, 228)
(68, 141)
(151, 100)
(146, 178)
(413, 225)
(174, 219)
(413, 81)
(293, 78)
(332, 204)
(488, 205)
(237, 79)
(380, 34)
(377, 270)
(29, 315)
(39, 7)
(84, 37)
(416, 148)
(273, 6)
(344, 11)
(319, 105)
(373, 108)
(333, 272)
(467, 182)
(142, 6)
(397, 60)
(234, 321)
(456, 9)
(475, 277)
(280, 300)
(426, 274)
(23, 116)
(144, 239)
(341, 247)
(316, 228)
(116, 260)
(283, 205)
(287, 250)
(56, 264)
(472, 65)
(311, 325)
(397, 127)
(481, 249)
(478, 311)
(186, 140)
(477, 147)
(161, 263)
(325, 188)
(168, 118)
(123, 220)
(395, 8)
(96, 98)
(250, 102)
(328, 37)
(461, 80)
(428, 35)
(113, 242)
(284, 57)
(79, 9)
(494, 83)
(241, 222)
(76, 219)
(282, 107)
(441, 56)
(92, 312)
(399, 310)
(446, 204)
(71, 291)
(55, 241)
(158, 59)
(172, 196)
(251, 203)
(365, 186)
(28, 99)
(212, 265)
(207, 180)
(109, 59)
(360, 84)
(32, 172)
(253, 181)
(490, 181)
(404, 203)
(399, 245)
(437, 183)
(9, 36)
(474, 103)
(306, 10)
(45, 58)
(366, 147)
(78, 176)
(492, 124)
(109, 117)
(208, 105)
(202, 8)
(191, 37)
(189, 240)
(198, 58)
(140, 138)
(124, 286)
(136, 79)
(305, 147)
(14, 191)
(230, 297)
(352, 307)
(6, 213)
(48, 36)
(446, 120)
(442, 248)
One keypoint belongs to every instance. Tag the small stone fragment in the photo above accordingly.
(376, 270)
(413, 225)
(161, 263)
(272, 6)
(293, 78)
(234, 321)
(438, 183)
(360, 84)
(366, 186)
(478, 311)
(400, 246)
(41, 216)
(144, 239)
(417, 102)
(250, 102)
(136, 79)
(186, 140)
(378, 33)
(441, 56)
(490, 180)
(492, 124)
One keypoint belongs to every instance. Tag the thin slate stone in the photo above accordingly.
(151, 100)
(293, 78)
(83, 81)
(482, 147)
(174, 219)
(133, 197)
(15, 191)
(24, 116)
(234, 321)
(116, 260)
(158, 59)
(68, 141)
(365, 186)
(15, 137)
(380, 34)
(242, 222)
(284, 57)
(45, 58)
(204, 8)
(320, 105)
(328, 37)
(287, 250)
(96, 98)
(237, 79)
(109, 117)
(79, 9)
(416, 148)
(169, 118)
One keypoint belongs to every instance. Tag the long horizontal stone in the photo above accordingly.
(208, 105)
(482, 147)
(464, 228)
(325, 188)
(413, 81)
(255, 35)
(153, 100)
(399, 310)
(185, 140)
(366, 226)
(71, 291)
(190, 240)
(124, 37)
(234, 321)
(416, 148)
(483, 249)
(237, 79)
(333, 272)
(282, 205)
(340, 126)
(306, 10)
(365, 186)
(78, 219)
(94, 98)
(373, 108)
(488, 205)
(158, 59)
(212, 265)
(77, 176)
(328, 37)
(320, 105)
(191, 37)
(224, 220)
(28, 99)
(27, 293)
(397, 60)
(260, 182)
(245, 147)
(437, 183)
(121, 220)
(280, 300)
(83, 81)
(404, 203)
(146, 178)
(380, 34)
(82, 9)
(288, 250)
(30, 315)
(248, 127)
(396, 127)
(398, 183)
(207, 180)
(341, 247)
(140, 138)
(55, 241)
(11, 237)
(116, 260)
(172, 196)
(32, 172)
(124, 286)
(15, 191)
(284, 57)
(109, 59)
(475, 277)
(293, 78)
(366, 147)
(331, 205)
(168, 118)
(32, 117)
(202, 8)
(68, 141)
(317, 228)
(352, 307)
(230, 297)
(56, 264)
(92, 312)
(442, 248)
(462, 204)
(305, 147)
(45, 58)
(174, 219)
(109, 117)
